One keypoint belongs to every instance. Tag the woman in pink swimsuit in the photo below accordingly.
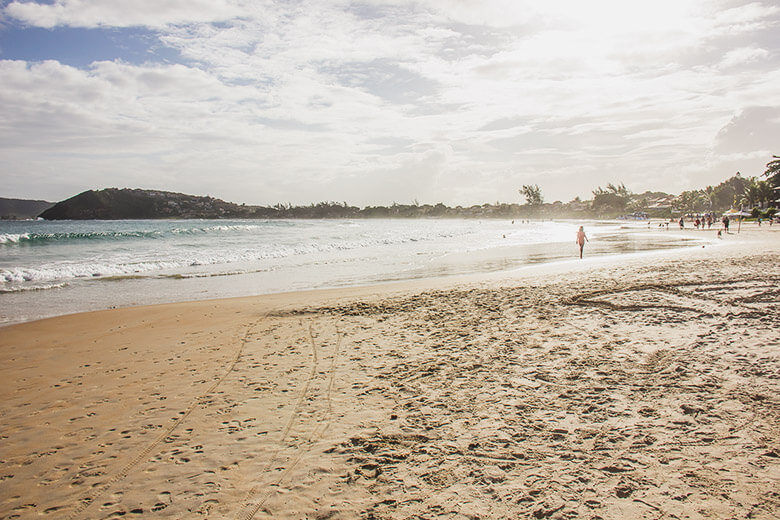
(581, 239)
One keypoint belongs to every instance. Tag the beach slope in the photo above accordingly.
(644, 389)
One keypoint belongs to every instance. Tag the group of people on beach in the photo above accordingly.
(706, 220)
(709, 220)
(699, 223)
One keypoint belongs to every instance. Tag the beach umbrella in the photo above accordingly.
(737, 213)
(734, 213)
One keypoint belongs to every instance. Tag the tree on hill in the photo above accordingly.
(613, 199)
(532, 194)
(728, 193)
(693, 201)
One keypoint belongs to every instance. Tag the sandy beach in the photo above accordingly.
(642, 388)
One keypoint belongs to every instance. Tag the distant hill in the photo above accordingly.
(612, 202)
(118, 204)
(18, 209)
(115, 204)
(126, 203)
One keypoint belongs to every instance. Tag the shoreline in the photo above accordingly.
(87, 295)
(446, 280)
(640, 388)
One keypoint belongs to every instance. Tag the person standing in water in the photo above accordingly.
(581, 239)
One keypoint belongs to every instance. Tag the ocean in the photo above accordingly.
(49, 268)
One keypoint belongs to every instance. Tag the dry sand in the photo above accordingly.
(645, 389)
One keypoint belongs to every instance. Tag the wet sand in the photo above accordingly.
(648, 388)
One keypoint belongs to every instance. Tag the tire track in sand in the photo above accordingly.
(251, 507)
(86, 501)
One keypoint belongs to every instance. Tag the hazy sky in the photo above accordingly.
(374, 102)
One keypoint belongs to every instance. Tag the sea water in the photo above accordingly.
(50, 268)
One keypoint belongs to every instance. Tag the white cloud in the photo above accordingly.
(747, 17)
(743, 56)
(462, 101)
(121, 13)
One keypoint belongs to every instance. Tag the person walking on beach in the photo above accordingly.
(581, 239)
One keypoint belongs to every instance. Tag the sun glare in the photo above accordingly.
(616, 17)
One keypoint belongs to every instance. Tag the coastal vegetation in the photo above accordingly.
(532, 194)
(615, 200)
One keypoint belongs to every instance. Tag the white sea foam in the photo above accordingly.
(13, 238)
(30, 288)
(226, 258)
(89, 250)
(94, 250)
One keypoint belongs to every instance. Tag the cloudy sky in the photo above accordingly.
(375, 102)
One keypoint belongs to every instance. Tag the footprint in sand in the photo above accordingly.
(164, 499)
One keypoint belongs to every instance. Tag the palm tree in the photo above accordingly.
(751, 192)
(688, 201)
(772, 172)
(709, 195)
(765, 192)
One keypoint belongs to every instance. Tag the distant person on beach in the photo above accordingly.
(581, 239)
(726, 223)
(682, 223)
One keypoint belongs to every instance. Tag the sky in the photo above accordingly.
(377, 102)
